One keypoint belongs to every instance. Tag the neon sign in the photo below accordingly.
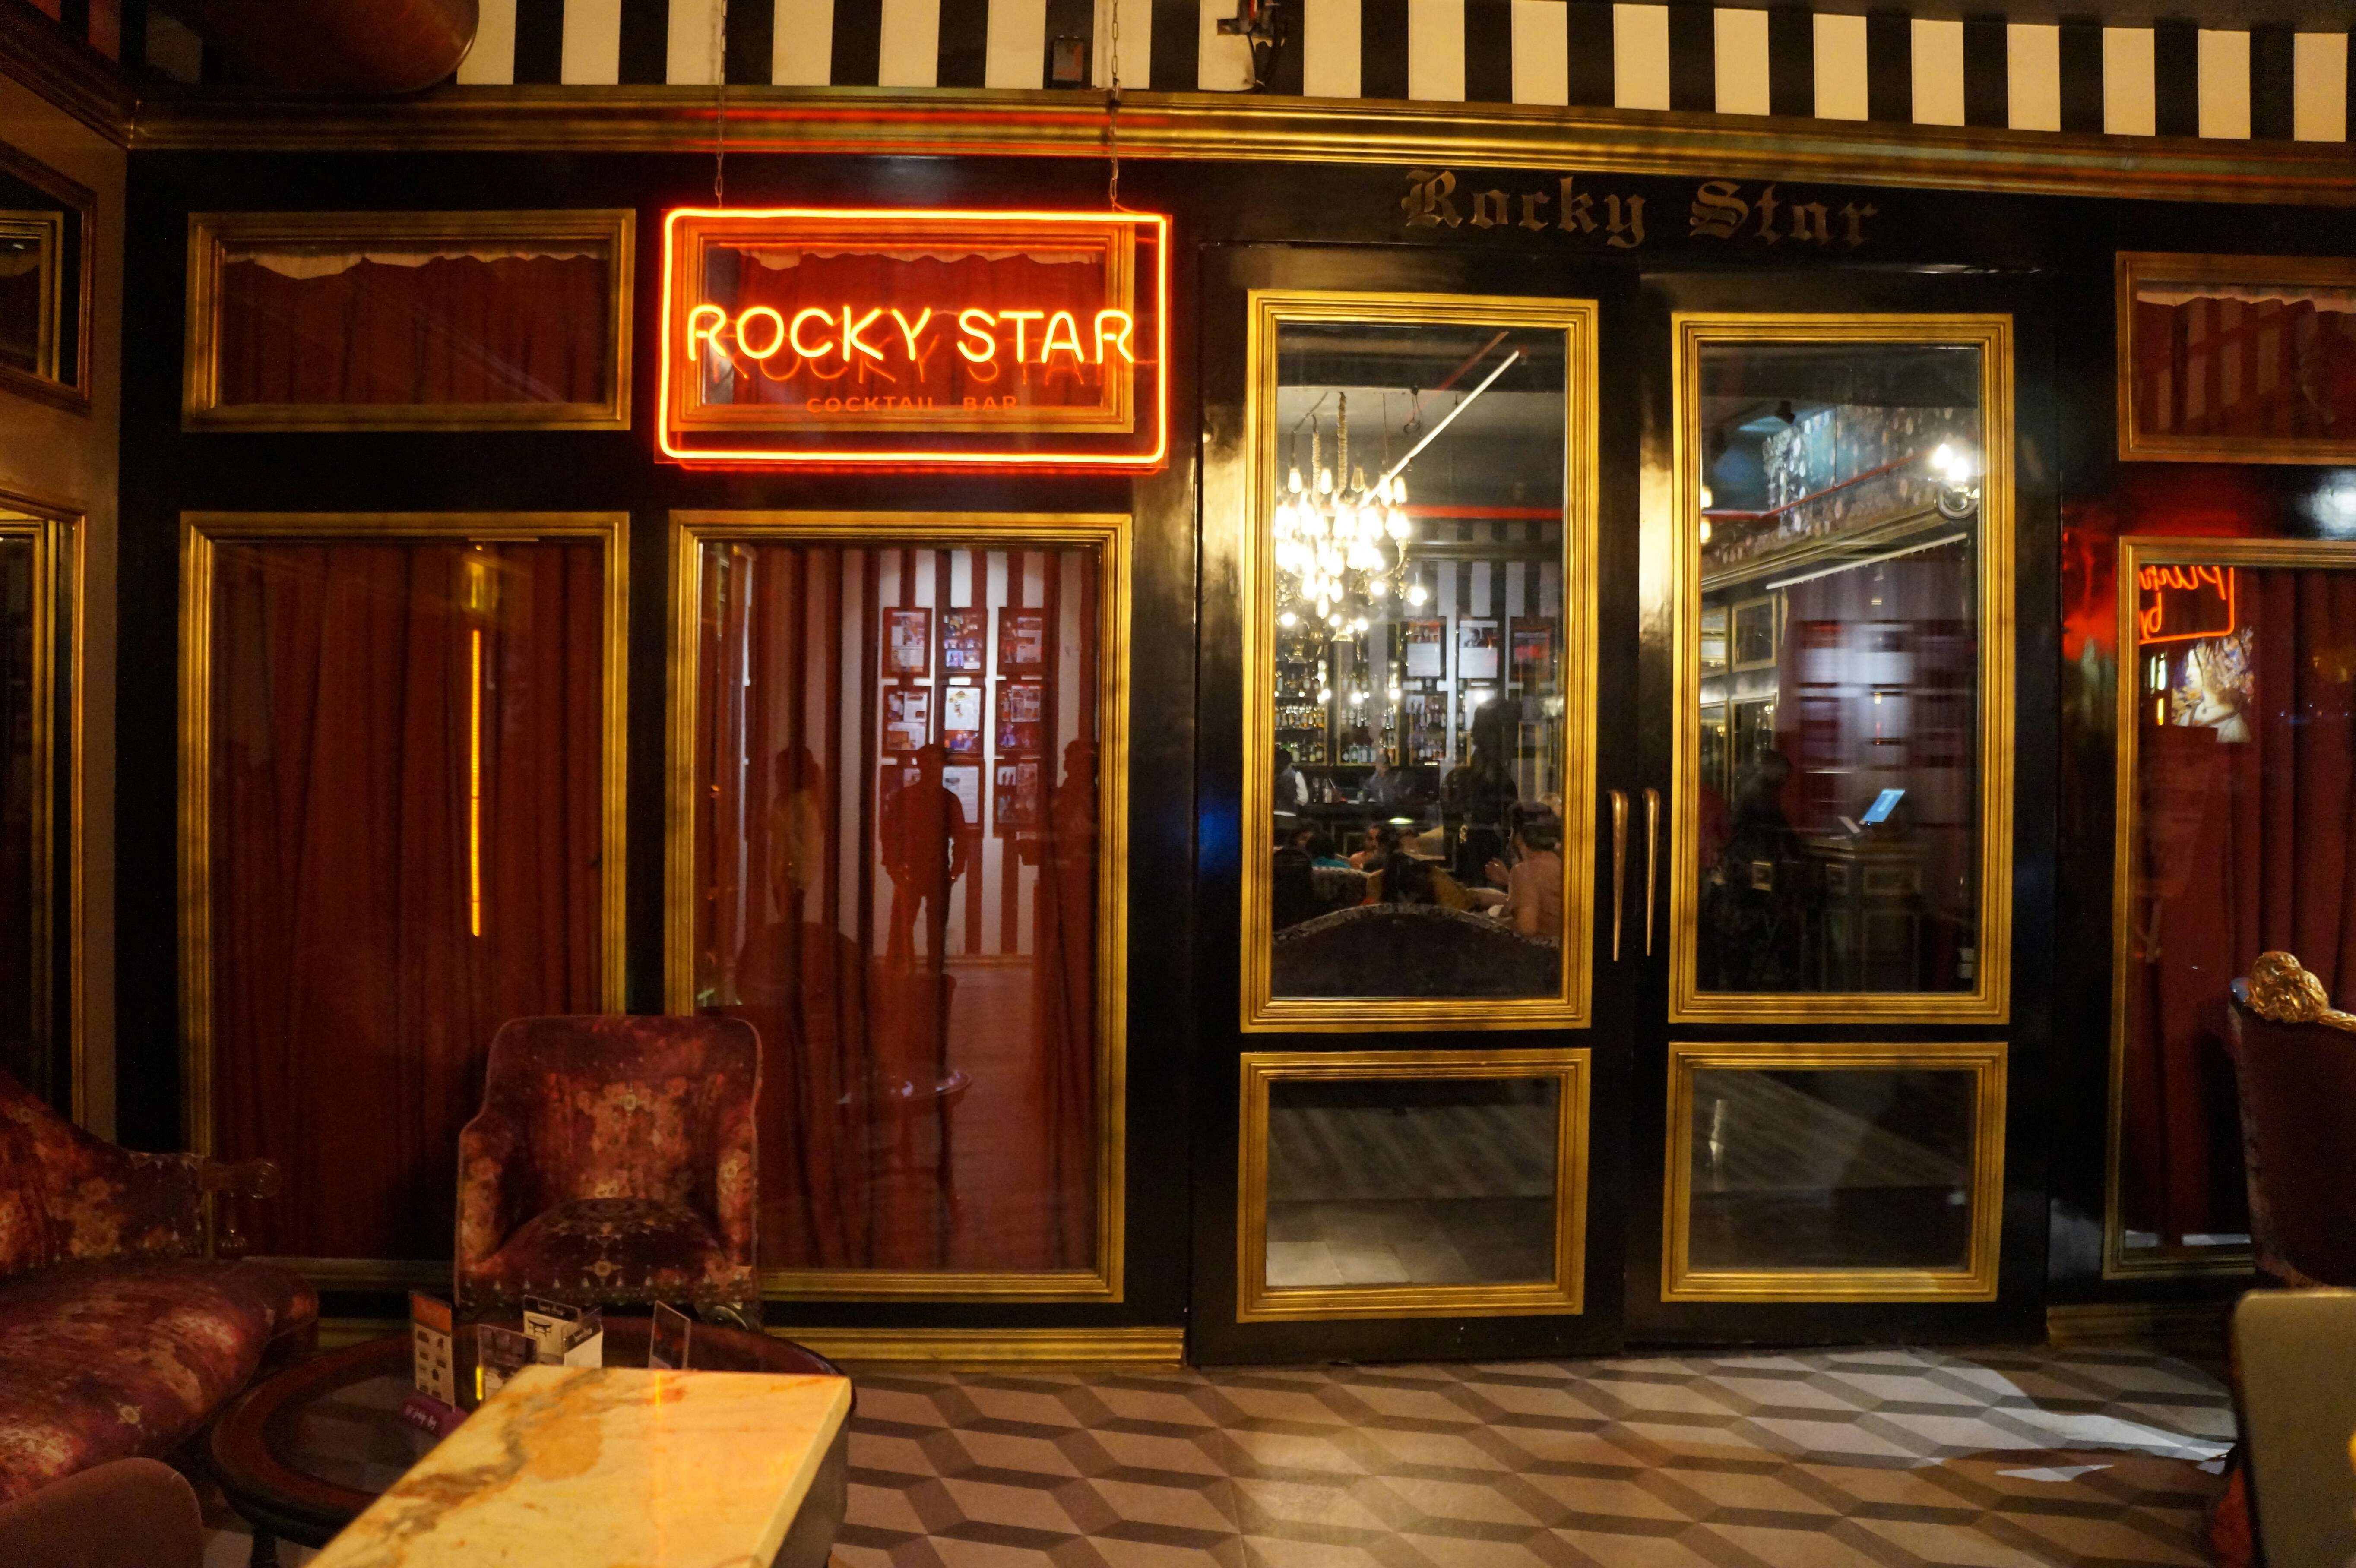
(841, 337)
(2184, 604)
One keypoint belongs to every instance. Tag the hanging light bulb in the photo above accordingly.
(1287, 620)
(1416, 595)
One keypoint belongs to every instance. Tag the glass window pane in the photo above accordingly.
(896, 848)
(2243, 684)
(41, 236)
(1418, 662)
(1839, 806)
(408, 754)
(1410, 1182)
(393, 323)
(1831, 1168)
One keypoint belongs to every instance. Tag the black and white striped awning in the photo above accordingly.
(2186, 80)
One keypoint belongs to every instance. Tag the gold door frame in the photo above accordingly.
(1990, 1000)
(55, 534)
(200, 534)
(209, 233)
(1261, 1011)
(2137, 550)
(82, 202)
(1109, 533)
(1565, 1294)
(1976, 1281)
(2135, 267)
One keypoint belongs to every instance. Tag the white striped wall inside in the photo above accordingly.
(1441, 54)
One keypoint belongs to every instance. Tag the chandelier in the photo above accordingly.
(1341, 544)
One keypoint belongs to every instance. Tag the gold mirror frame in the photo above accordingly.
(2136, 551)
(200, 535)
(211, 234)
(1109, 533)
(1990, 999)
(55, 535)
(2136, 267)
(1976, 1281)
(1565, 1293)
(1261, 1011)
(80, 201)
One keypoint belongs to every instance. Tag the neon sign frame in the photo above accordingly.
(676, 342)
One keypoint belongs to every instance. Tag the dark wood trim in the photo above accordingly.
(74, 76)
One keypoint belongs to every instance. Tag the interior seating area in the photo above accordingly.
(1176, 784)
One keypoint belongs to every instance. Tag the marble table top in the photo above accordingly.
(602, 1468)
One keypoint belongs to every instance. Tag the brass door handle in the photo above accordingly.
(1619, 865)
(1652, 858)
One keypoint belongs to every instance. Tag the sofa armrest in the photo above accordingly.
(734, 1185)
(488, 1148)
(131, 1513)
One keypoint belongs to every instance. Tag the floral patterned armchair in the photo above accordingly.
(611, 1162)
(118, 1336)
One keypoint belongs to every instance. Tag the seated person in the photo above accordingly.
(1382, 843)
(1419, 874)
(1533, 883)
(1313, 842)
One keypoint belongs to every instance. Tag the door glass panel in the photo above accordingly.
(25, 803)
(1837, 812)
(1445, 1182)
(1793, 1163)
(1383, 1184)
(1422, 656)
(897, 883)
(2237, 671)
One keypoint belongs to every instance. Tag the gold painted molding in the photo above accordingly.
(76, 80)
(1227, 127)
(987, 1348)
(2187, 1325)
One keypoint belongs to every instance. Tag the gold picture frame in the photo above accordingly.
(79, 200)
(202, 534)
(212, 236)
(1976, 1281)
(1110, 533)
(2137, 551)
(54, 535)
(1990, 1000)
(2138, 270)
(1261, 1011)
(1564, 1294)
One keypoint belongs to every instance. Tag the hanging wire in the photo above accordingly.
(1112, 111)
(720, 78)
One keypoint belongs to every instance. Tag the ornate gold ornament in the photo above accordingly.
(2283, 992)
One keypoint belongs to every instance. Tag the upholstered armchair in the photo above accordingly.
(613, 1162)
(2294, 1064)
(119, 1335)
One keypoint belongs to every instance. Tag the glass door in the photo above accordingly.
(1834, 1092)
(1420, 815)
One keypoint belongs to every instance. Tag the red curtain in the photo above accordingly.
(510, 329)
(922, 970)
(353, 997)
(2260, 368)
(2245, 814)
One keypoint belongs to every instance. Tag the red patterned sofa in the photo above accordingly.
(118, 1336)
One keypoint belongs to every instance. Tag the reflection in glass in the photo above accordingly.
(1419, 661)
(24, 1035)
(408, 756)
(1376, 1183)
(896, 849)
(40, 282)
(1832, 1169)
(2239, 841)
(1839, 816)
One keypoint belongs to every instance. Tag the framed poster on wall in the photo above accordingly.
(907, 717)
(961, 721)
(965, 635)
(1017, 800)
(1531, 643)
(963, 779)
(1427, 650)
(908, 642)
(1022, 641)
(1476, 650)
(1021, 704)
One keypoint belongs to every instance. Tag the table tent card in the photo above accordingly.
(667, 1339)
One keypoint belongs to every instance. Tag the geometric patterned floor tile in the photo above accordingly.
(1882, 1457)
